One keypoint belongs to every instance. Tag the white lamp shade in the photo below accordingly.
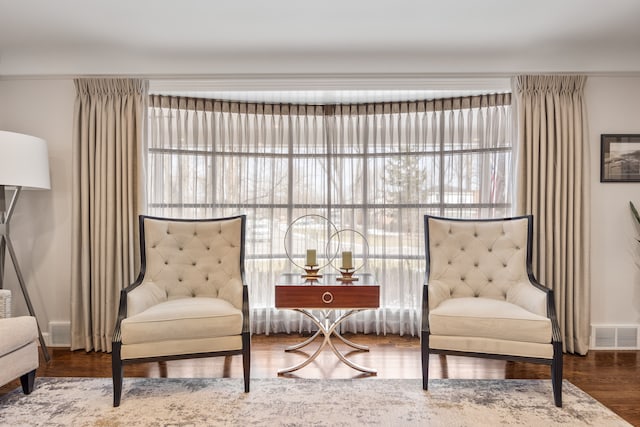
(24, 161)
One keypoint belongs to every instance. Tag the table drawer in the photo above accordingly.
(318, 296)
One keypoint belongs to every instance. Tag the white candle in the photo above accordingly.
(311, 257)
(347, 259)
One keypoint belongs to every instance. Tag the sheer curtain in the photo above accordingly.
(373, 168)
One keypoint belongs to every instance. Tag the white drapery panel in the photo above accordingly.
(374, 168)
(107, 135)
(553, 185)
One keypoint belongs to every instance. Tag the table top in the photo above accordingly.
(297, 279)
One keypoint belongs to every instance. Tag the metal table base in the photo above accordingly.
(327, 328)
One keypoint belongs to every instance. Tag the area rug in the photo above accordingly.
(301, 402)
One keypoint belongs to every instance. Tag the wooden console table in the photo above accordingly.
(327, 295)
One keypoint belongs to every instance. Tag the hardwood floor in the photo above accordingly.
(612, 377)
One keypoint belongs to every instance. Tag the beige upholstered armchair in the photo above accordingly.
(190, 299)
(19, 351)
(481, 299)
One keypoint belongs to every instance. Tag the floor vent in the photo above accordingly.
(615, 337)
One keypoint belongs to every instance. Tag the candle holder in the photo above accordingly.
(347, 275)
(352, 244)
(311, 273)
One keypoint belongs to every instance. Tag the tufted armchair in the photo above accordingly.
(189, 300)
(481, 299)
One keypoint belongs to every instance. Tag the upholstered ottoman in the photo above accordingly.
(19, 351)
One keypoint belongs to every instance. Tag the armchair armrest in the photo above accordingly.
(246, 323)
(122, 308)
(425, 308)
(142, 297)
(529, 296)
(233, 292)
(122, 313)
(551, 312)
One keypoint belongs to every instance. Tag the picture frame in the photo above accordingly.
(620, 158)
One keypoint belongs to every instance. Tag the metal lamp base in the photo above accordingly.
(5, 242)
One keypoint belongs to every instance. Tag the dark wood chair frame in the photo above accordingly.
(556, 340)
(117, 364)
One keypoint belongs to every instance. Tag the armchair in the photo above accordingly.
(19, 351)
(189, 300)
(480, 297)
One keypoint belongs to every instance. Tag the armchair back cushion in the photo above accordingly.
(189, 259)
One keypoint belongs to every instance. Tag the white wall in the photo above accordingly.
(42, 225)
(613, 107)
(40, 228)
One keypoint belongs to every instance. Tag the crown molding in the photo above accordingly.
(327, 82)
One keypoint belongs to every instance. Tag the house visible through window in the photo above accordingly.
(376, 168)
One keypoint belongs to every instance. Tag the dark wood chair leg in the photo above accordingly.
(28, 380)
(246, 359)
(556, 374)
(117, 372)
(424, 343)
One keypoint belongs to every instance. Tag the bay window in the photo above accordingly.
(374, 168)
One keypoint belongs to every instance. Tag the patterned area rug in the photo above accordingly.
(300, 402)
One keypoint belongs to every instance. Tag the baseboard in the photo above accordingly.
(603, 336)
(615, 337)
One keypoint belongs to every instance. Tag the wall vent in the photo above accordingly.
(59, 334)
(615, 337)
(627, 338)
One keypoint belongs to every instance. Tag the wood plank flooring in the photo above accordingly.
(612, 377)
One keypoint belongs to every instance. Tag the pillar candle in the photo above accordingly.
(311, 257)
(347, 259)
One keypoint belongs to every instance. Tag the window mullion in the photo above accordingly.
(441, 136)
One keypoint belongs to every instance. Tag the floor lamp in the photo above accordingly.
(24, 164)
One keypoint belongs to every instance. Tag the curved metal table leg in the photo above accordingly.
(321, 328)
(348, 362)
(354, 365)
(303, 343)
(351, 343)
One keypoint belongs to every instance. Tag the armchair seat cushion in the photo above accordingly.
(478, 317)
(183, 319)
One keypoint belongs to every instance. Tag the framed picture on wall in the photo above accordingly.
(619, 158)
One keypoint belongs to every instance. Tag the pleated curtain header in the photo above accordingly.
(212, 105)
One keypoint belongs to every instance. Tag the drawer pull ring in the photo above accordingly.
(327, 298)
